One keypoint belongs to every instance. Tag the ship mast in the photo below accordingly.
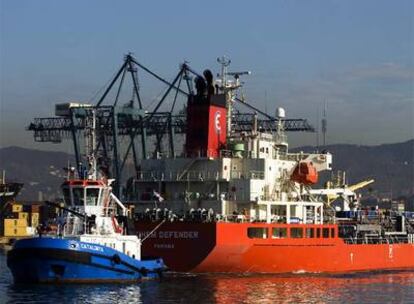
(90, 143)
(229, 87)
(225, 62)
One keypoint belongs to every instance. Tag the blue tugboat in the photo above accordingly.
(90, 245)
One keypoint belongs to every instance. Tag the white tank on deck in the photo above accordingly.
(280, 112)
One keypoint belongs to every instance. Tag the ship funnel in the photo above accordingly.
(208, 75)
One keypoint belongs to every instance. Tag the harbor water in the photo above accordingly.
(372, 287)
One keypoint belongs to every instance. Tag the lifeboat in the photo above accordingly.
(305, 173)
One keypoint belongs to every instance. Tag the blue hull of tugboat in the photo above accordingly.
(57, 260)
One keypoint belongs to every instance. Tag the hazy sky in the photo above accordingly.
(356, 55)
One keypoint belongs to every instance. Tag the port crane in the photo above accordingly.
(119, 123)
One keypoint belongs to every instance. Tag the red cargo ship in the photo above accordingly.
(237, 200)
(227, 247)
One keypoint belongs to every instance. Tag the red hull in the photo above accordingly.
(226, 247)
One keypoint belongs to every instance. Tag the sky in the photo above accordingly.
(357, 56)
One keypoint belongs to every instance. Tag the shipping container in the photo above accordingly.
(15, 231)
(17, 208)
(15, 223)
(23, 215)
(34, 220)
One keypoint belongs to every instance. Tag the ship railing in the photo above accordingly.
(234, 154)
(294, 156)
(280, 138)
(200, 175)
(253, 174)
(196, 175)
(371, 240)
(234, 218)
(70, 227)
(241, 218)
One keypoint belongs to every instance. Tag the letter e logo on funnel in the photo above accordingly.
(217, 121)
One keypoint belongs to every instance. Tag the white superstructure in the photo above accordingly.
(251, 174)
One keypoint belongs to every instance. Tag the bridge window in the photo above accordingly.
(279, 233)
(92, 195)
(310, 233)
(78, 196)
(296, 233)
(332, 232)
(257, 233)
(325, 233)
(66, 196)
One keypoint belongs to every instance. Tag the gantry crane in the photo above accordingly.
(132, 124)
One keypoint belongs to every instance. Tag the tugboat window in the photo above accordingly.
(92, 196)
(257, 233)
(279, 233)
(66, 196)
(78, 198)
(325, 233)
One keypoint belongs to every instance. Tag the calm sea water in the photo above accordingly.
(378, 287)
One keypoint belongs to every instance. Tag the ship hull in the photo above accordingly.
(52, 260)
(226, 247)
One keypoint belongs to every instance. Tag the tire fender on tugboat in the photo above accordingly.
(116, 259)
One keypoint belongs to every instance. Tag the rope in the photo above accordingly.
(153, 230)
(99, 91)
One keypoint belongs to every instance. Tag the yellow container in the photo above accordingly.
(35, 222)
(15, 223)
(17, 208)
(15, 231)
(35, 219)
(23, 215)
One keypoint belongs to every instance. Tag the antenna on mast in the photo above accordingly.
(317, 126)
(90, 142)
(228, 87)
(324, 123)
(224, 62)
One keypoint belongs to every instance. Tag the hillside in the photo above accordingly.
(392, 166)
(40, 171)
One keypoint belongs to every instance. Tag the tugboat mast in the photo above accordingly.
(90, 143)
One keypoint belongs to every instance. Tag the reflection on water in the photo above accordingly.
(377, 287)
(380, 287)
